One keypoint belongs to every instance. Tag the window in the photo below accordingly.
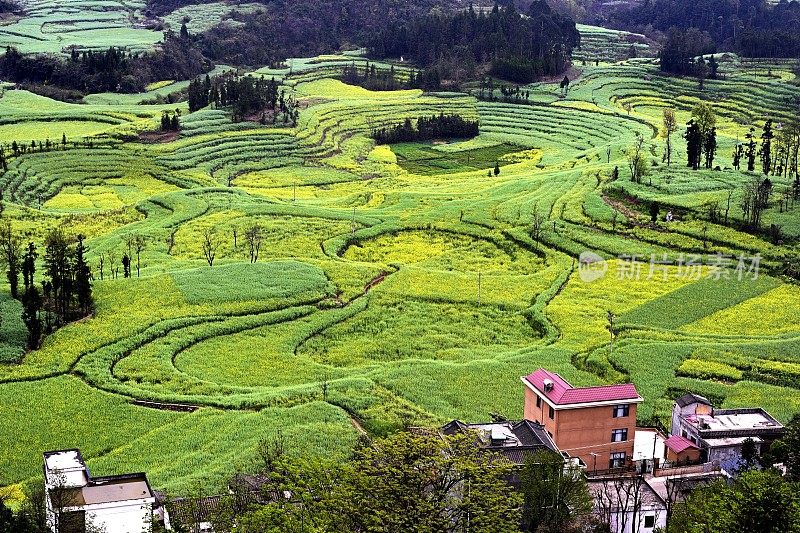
(650, 521)
(617, 460)
(552, 413)
(538, 401)
(621, 411)
(619, 435)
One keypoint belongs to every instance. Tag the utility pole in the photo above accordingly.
(479, 289)
(353, 222)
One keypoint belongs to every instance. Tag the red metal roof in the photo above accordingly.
(677, 444)
(563, 393)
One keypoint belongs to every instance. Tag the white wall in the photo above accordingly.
(632, 521)
(124, 519)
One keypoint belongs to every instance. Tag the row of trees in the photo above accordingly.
(427, 128)
(376, 79)
(66, 289)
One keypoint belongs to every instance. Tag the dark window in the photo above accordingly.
(650, 521)
(552, 413)
(538, 401)
(73, 522)
(619, 435)
(617, 460)
(621, 411)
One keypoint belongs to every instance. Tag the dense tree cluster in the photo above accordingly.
(244, 95)
(683, 50)
(427, 128)
(376, 79)
(8, 6)
(754, 28)
(112, 70)
(66, 289)
(519, 46)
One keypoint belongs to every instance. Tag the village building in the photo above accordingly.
(719, 434)
(513, 440)
(77, 501)
(595, 424)
(628, 504)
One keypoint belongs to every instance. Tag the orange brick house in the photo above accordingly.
(595, 424)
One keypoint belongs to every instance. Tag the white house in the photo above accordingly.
(78, 502)
(628, 504)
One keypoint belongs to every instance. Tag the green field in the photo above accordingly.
(365, 303)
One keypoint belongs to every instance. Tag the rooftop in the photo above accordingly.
(677, 444)
(83, 489)
(734, 420)
(111, 489)
(559, 391)
(513, 439)
(64, 460)
(690, 398)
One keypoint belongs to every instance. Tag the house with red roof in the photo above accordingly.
(595, 424)
(681, 451)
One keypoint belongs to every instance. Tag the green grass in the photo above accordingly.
(365, 301)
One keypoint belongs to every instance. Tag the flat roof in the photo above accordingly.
(734, 420)
(729, 441)
(64, 460)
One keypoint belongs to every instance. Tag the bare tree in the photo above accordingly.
(139, 242)
(254, 236)
(537, 223)
(112, 259)
(171, 240)
(618, 502)
(209, 245)
(669, 126)
(101, 263)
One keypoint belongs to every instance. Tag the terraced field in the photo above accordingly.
(396, 285)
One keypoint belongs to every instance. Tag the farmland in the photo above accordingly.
(396, 285)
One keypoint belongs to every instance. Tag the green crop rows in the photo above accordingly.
(395, 285)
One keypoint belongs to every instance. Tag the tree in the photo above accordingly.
(766, 147)
(655, 208)
(750, 151)
(496, 168)
(669, 126)
(253, 236)
(757, 501)
(10, 249)
(126, 266)
(749, 456)
(694, 142)
(421, 482)
(83, 279)
(210, 245)
(790, 446)
(637, 162)
(555, 496)
(139, 242)
(537, 223)
(619, 492)
(31, 299)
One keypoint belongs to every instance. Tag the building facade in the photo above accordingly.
(595, 424)
(721, 433)
(77, 502)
